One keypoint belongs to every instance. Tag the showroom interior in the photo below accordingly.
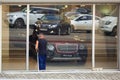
(90, 41)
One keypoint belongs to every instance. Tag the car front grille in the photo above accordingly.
(45, 26)
(67, 48)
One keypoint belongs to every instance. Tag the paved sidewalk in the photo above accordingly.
(75, 75)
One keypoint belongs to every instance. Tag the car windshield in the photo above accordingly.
(71, 16)
(25, 10)
(50, 18)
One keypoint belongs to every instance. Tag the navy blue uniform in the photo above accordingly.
(42, 47)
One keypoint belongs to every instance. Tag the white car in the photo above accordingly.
(110, 25)
(84, 22)
(19, 19)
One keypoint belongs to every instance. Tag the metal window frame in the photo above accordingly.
(118, 39)
(0, 38)
(93, 37)
(27, 38)
(57, 1)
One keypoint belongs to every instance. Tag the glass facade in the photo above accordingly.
(106, 37)
(13, 38)
(68, 30)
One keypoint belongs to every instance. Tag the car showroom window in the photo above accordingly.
(14, 39)
(67, 44)
(105, 36)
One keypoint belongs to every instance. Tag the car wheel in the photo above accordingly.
(19, 23)
(68, 31)
(114, 31)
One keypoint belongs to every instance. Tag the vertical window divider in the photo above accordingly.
(0, 38)
(118, 39)
(27, 39)
(93, 38)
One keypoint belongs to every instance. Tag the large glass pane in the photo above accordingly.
(68, 31)
(106, 36)
(13, 37)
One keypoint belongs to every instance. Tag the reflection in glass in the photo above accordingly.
(13, 38)
(106, 45)
(69, 43)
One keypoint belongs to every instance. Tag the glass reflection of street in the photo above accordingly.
(68, 29)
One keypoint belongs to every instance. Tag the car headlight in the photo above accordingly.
(52, 26)
(108, 22)
(50, 47)
(82, 46)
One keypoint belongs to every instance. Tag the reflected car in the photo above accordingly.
(63, 51)
(19, 19)
(84, 22)
(67, 51)
(54, 24)
(109, 25)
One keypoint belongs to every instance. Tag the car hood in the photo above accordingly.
(50, 22)
(109, 18)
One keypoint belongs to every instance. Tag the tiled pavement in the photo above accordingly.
(69, 75)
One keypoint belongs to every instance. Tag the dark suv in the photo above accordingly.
(67, 51)
(54, 24)
(62, 50)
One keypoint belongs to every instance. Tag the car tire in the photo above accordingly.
(19, 23)
(114, 31)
